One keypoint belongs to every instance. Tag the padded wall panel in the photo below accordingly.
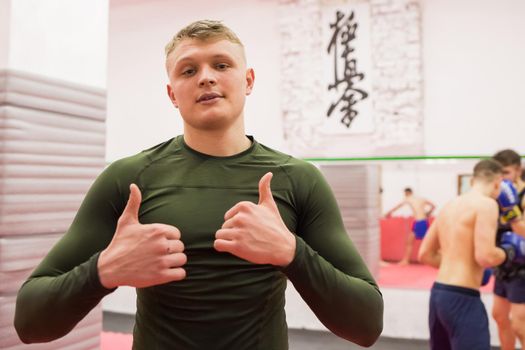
(86, 334)
(18, 257)
(52, 147)
(356, 189)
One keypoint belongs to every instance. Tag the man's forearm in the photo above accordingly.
(350, 307)
(494, 257)
(48, 307)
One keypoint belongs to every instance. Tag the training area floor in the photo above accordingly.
(299, 339)
(118, 327)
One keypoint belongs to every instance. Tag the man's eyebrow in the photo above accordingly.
(186, 59)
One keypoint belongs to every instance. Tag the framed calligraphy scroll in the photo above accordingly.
(347, 69)
(351, 78)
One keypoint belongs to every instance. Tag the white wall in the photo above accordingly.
(140, 114)
(62, 39)
(473, 54)
(472, 57)
(5, 13)
(472, 72)
(435, 180)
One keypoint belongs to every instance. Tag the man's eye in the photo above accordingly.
(222, 66)
(188, 72)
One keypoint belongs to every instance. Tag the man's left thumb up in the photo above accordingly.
(265, 192)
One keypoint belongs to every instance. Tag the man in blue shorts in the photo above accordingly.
(421, 210)
(461, 243)
(509, 288)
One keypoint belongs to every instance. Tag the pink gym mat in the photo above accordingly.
(115, 341)
(413, 276)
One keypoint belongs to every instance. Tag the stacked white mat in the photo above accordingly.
(52, 146)
(357, 191)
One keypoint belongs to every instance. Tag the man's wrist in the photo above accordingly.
(509, 252)
(289, 253)
(104, 274)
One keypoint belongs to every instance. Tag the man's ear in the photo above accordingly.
(171, 95)
(497, 187)
(250, 79)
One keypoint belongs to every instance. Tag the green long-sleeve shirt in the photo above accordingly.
(224, 302)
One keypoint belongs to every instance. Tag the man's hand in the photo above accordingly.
(256, 232)
(508, 203)
(514, 247)
(141, 255)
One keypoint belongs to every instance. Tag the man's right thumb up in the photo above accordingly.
(130, 215)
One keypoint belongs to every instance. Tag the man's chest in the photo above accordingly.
(198, 211)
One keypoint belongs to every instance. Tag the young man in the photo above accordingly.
(461, 243)
(196, 227)
(508, 308)
(421, 210)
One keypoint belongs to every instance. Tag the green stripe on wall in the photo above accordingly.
(394, 158)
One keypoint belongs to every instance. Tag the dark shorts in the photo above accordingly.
(457, 319)
(420, 228)
(512, 289)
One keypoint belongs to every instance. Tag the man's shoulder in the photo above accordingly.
(134, 163)
(284, 159)
(479, 203)
(485, 201)
(162, 149)
(299, 172)
(420, 199)
(413, 199)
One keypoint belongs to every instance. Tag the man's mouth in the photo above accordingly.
(208, 96)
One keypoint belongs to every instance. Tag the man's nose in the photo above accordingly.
(207, 77)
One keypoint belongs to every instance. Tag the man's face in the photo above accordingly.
(209, 82)
(511, 172)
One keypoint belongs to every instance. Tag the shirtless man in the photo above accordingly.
(461, 243)
(420, 213)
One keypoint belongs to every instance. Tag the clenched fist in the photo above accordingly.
(141, 255)
(256, 232)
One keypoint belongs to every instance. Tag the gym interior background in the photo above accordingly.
(82, 83)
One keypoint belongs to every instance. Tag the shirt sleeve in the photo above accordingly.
(65, 286)
(327, 270)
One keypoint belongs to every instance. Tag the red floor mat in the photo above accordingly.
(413, 276)
(115, 341)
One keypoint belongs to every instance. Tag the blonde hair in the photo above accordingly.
(203, 30)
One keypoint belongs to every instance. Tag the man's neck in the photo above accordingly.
(218, 143)
(481, 189)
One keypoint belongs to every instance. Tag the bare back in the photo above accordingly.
(458, 225)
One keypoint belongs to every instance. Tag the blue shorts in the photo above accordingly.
(512, 289)
(420, 228)
(457, 319)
